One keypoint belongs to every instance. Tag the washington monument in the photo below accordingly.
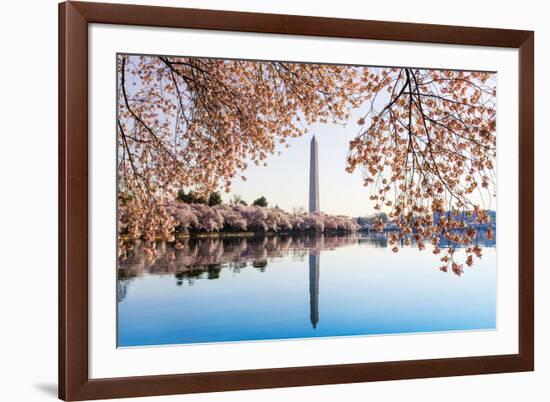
(313, 177)
(313, 258)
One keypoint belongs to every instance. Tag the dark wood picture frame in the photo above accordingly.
(74, 382)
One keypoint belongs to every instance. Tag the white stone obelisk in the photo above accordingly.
(313, 177)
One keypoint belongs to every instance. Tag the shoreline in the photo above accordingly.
(250, 234)
(206, 235)
(214, 235)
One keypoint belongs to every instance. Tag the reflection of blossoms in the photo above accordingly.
(198, 254)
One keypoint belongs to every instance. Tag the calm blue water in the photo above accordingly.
(245, 289)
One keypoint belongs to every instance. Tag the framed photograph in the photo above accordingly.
(259, 200)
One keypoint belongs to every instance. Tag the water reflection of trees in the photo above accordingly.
(235, 252)
(206, 257)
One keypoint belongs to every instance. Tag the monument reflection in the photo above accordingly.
(205, 258)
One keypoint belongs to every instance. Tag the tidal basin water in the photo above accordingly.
(282, 287)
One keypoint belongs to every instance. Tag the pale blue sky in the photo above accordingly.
(285, 181)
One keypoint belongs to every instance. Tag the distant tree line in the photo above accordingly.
(372, 219)
(193, 197)
(452, 219)
(215, 198)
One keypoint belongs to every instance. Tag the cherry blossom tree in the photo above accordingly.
(426, 145)
(188, 122)
(232, 218)
(426, 151)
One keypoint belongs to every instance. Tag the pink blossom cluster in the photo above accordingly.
(240, 218)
